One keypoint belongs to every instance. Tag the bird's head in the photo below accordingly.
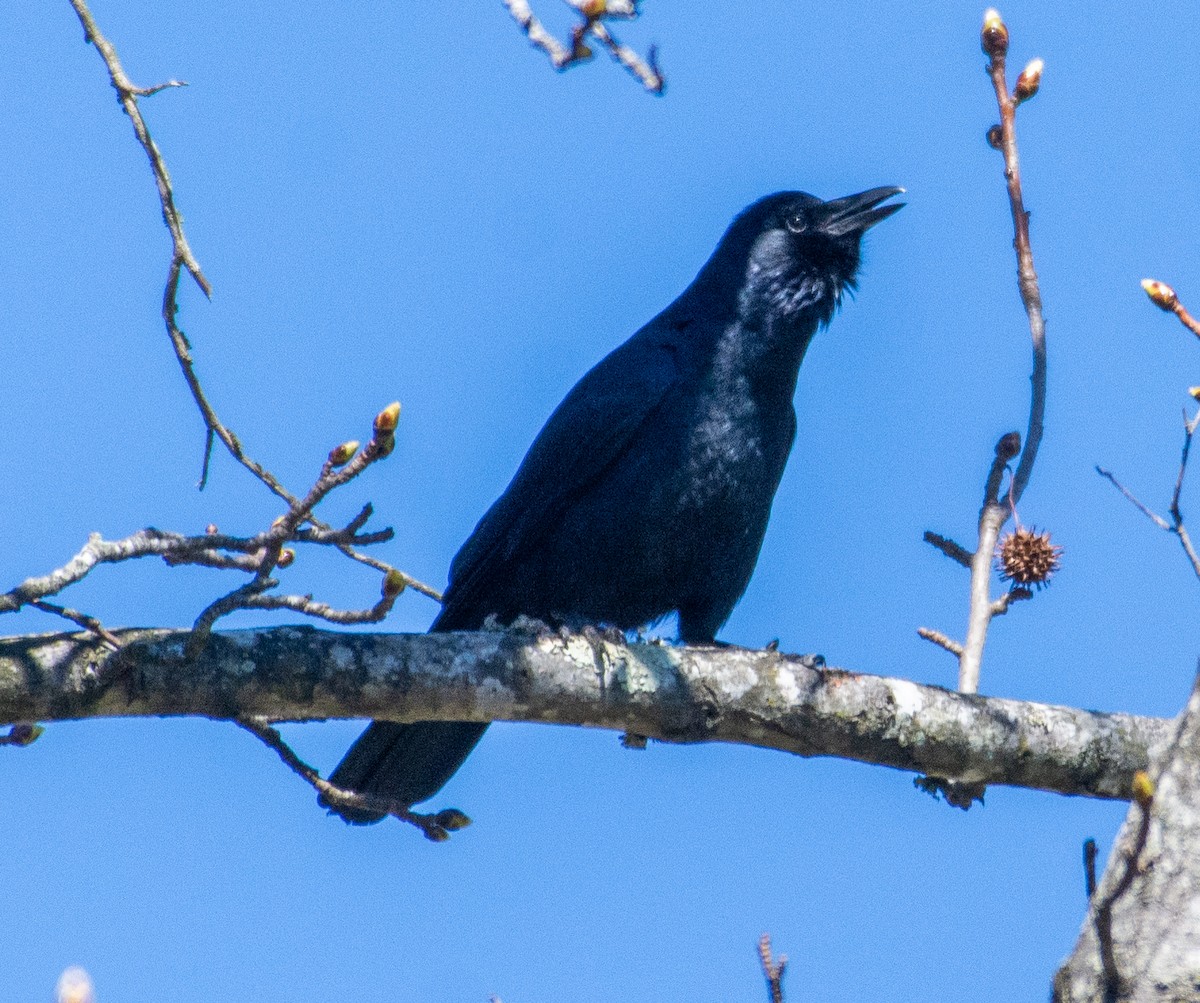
(792, 255)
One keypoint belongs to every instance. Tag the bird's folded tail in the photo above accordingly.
(405, 763)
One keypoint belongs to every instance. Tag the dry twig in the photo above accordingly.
(183, 258)
(772, 970)
(436, 827)
(1176, 525)
(1164, 297)
(594, 14)
(993, 514)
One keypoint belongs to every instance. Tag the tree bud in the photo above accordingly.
(1143, 789)
(393, 584)
(339, 456)
(286, 557)
(388, 418)
(452, 819)
(994, 37)
(1161, 294)
(995, 137)
(1029, 81)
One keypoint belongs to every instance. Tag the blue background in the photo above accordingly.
(404, 201)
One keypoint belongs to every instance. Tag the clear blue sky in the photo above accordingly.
(393, 201)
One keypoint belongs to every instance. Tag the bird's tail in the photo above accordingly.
(405, 763)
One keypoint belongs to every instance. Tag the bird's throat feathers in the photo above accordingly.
(781, 294)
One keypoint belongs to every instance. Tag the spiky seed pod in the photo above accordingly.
(1027, 558)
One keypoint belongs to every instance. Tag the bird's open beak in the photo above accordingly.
(857, 213)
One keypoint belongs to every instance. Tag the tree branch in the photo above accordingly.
(698, 694)
(1139, 939)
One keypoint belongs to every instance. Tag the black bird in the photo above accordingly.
(648, 490)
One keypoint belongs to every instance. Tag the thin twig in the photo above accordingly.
(1176, 525)
(950, 548)
(1027, 280)
(1017, 594)
(594, 13)
(646, 70)
(89, 623)
(127, 94)
(1089, 867)
(1154, 517)
(522, 13)
(436, 827)
(772, 970)
(941, 640)
(993, 515)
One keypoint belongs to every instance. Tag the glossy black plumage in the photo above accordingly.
(648, 490)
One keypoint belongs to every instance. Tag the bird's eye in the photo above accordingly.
(795, 222)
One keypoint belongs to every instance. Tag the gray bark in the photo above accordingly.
(760, 698)
(1141, 938)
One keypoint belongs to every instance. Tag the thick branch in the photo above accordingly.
(761, 698)
(1139, 939)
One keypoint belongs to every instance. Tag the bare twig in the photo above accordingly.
(993, 514)
(646, 70)
(1176, 525)
(522, 13)
(259, 555)
(1089, 867)
(772, 970)
(594, 13)
(436, 827)
(1154, 517)
(1018, 594)
(952, 550)
(183, 258)
(81, 619)
(1027, 280)
(941, 640)
(127, 94)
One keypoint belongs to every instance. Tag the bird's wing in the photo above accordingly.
(589, 431)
